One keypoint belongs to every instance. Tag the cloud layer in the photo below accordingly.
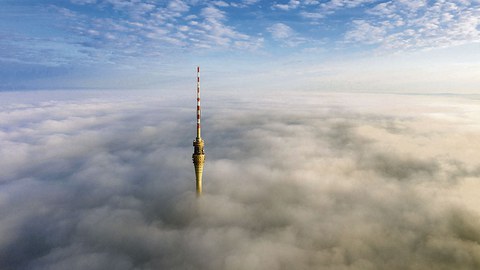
(318, 182)
(135, 31)
(390, 25)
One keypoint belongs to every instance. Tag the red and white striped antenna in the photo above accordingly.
(198, 104)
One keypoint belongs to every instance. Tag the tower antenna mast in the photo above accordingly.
(198, 155)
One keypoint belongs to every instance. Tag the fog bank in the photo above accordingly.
(330, 181)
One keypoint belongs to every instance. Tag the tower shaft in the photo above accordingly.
(198, 155)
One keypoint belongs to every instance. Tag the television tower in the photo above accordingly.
(198, 144)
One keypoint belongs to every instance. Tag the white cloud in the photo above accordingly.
(312, 15)
(148, 28)
(212, 31)
(178, 5)
(243, 3)
(212, 13)
(83, 2)
(281, 31)
(404, 25)
(365, 32)
(305, 181)
(285, 34)
(220, 3)
(324, 9)
(292, 4)
(339, 4)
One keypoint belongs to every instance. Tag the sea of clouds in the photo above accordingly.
(305, 181)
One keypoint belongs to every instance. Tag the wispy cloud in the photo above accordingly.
(285, 34)
(404, 25)
(292, 4)
(212, 31)
(150, 29)
(341, 4)
(146, 34)
(320, 10)
(243, 3)
(220, 3)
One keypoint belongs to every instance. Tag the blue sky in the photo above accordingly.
(325, 45)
